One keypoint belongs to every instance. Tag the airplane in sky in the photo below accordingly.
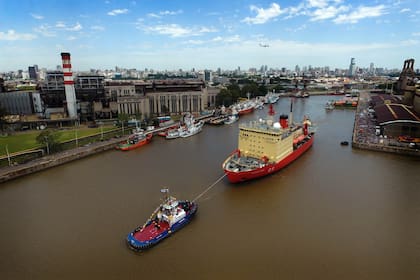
(264, 45)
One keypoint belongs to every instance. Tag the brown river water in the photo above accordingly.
(335, 213)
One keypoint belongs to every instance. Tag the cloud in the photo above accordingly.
(232, 39)
(194, 42)
(317, 3)
(327, 12)
(45, 30)
(39, 17)
(263, 15)
(60, 24)
(406, 10)
(410, 42)
(165, 13)
(302, 27)
(217, 39)
(71, 38)
(170, 13)
(416, 34)
(117, 12)
(175, 30)
(97, 27)
(153, 15)
(11, 35)
(76, 27)
(361, 13)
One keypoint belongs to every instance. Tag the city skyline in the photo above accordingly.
(207, 35)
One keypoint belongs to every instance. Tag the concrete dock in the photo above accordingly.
(12, 172)
(364, 136)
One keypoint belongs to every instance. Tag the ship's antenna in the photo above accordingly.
(291, 112)
(271, 112)
(166, 192)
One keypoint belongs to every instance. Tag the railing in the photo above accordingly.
(31, 154)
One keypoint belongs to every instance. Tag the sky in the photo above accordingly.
(180, 34)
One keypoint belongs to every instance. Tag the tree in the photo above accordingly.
(123, 118)
(48, 139)
(251, 88)
(224, 97)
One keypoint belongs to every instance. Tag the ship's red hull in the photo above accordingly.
(246, 111)
(241, 176)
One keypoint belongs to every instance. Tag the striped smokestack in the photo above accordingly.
(69, 85)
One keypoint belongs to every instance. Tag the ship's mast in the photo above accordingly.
(166, 192)
(291, 112)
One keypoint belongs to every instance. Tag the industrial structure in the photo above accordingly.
(69, 86)
(398, 116)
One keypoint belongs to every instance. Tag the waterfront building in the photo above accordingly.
(395, 118)
(25, 102)
(160, 97)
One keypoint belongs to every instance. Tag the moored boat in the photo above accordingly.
(219, 120)
(169, 217)
(265, 147)
(329, 105)
(191, 129)
(348, 102)
(231, 119)
(408, 139)
(135, 140)
(245, 107)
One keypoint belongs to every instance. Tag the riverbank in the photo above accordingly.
(364, 136)
(11, 172)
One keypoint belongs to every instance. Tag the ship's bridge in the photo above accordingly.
(263, 139)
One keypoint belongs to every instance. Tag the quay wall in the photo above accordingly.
(12, 172)
(387, 149)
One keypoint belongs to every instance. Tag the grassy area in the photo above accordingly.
(27, 140)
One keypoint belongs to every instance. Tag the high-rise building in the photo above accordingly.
(372, 68)
(207, 75)
(352, 67)
(32, 72)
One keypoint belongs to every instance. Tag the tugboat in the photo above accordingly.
(265, 147)
(135, 140)
(169, 217)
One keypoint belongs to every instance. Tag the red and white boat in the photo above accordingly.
(265, 147)
(244, 107)
(135, 140)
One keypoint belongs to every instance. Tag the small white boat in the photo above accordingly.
(192, 129)
(231, 119)
(172, 133)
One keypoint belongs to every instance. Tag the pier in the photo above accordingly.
(364, 133)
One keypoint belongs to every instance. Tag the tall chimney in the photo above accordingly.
(69, 85)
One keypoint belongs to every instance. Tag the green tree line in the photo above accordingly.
(234, 91)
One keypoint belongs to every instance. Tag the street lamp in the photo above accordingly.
(8, 155)
(46, 142)
(102, 131)
(77, 141)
